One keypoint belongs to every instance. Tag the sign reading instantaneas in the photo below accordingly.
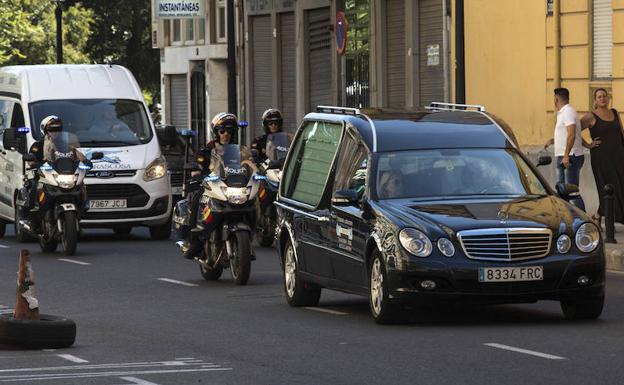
(179, 9)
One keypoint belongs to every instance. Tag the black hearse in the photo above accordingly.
(430, 206)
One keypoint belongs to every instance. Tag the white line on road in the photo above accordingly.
(3, 246)
(138, 381)
(71, 358)
(519, 350)
(177, 282)
(328, 311)
(37, 377)
(72, 261)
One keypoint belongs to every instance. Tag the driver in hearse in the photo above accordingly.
(43, 151)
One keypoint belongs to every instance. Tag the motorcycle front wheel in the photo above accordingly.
(69, 235)
(240, 259)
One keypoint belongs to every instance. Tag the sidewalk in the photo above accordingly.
(615, 251)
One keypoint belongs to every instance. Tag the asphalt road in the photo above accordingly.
(146, 316)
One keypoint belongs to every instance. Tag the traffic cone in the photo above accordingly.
(26, 306)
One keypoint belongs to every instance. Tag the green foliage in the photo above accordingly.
(28, 32)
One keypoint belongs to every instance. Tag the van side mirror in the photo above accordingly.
(14, 139)
(345, 198)
(167, 134)
(544, 160)
(566, 190)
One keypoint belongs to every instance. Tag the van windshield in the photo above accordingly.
(97, 122)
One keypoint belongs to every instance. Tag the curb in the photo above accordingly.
(614, 254)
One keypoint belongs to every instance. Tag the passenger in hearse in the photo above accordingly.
(391, 185)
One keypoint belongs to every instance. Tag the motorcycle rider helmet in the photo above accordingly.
(51, 123)
(224, 121)
(272, 115)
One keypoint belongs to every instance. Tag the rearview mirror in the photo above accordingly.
(566, 190)
(29, 157)
(97, 155)
(14, 139)
(167, 134)
(345, 198)
(544, 160)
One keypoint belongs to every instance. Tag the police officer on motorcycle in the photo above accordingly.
(225, 129)
(272, 122)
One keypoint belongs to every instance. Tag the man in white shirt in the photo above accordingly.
(568, 143)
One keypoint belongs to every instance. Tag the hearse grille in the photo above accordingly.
(512, 244)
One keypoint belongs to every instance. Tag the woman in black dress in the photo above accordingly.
(607, 151)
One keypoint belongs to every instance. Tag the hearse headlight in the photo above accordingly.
(446, 247)
(563, 244)
(156, 170)
(416, 242)
(587, 237)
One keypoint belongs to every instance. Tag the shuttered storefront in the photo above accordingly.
(431, 42)
(395, 53)
(287, 54)
(178, 101)
(262, 70)
(318, 46)
(603, 40)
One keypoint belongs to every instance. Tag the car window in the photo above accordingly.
(17, 119)
(455, 172)
(312, 154)
(5, 118)
(351, 165)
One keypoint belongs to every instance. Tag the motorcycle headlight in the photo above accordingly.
(236, 195)
(156, 170)
(587, 237)
(66, 181)
(416, 242)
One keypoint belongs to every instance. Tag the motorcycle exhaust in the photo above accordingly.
(25, 225)
(183, 245)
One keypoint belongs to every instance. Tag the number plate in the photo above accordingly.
(108, 204)
(511, 274)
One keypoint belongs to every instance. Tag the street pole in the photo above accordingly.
(59, 31)
(231, 59)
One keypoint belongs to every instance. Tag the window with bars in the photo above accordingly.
(602, 47)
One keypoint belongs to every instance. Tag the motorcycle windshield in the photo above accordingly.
(62, 155)
(277, 146)
(231, 169)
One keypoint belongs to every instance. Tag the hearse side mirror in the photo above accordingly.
(97, 155)
(14, 139)
(544, 160)
(345, 198)
(167, 134)
(29, 157)
(566, 190)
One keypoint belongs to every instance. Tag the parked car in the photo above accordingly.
(430, 207)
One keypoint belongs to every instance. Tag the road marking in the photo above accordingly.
(4, 246)
(519, 350)
(72, 261)
(328, 311)
(102, 374)
(138, 381)
(615, 271)
(177, 282)
(71, 358)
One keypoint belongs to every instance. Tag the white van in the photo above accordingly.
(103, 105)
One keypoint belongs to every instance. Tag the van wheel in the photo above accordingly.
(161, 232)
(298, 292)
(381, 309)
(583, 309)
(2, 229)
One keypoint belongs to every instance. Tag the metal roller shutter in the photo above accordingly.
(603, 43)
(430, 36)
(318, 44)
(262, 70)
(287, 65)
(395, 53)
(179, 101)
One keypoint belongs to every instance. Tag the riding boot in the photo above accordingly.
(194, 247)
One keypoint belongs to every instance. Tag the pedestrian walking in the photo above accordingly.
(607, 152)
(568, 143)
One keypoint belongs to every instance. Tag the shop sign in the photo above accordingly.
(433, 55)
(179, 9)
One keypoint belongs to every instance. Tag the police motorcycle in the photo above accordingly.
(226, 216)
(276, 150)
(60, 195)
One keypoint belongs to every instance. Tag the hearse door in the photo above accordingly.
(349, 230)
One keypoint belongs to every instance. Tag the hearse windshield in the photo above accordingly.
(455, 172)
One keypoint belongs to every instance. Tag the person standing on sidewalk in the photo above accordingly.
(568, 143)
(607, 155)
